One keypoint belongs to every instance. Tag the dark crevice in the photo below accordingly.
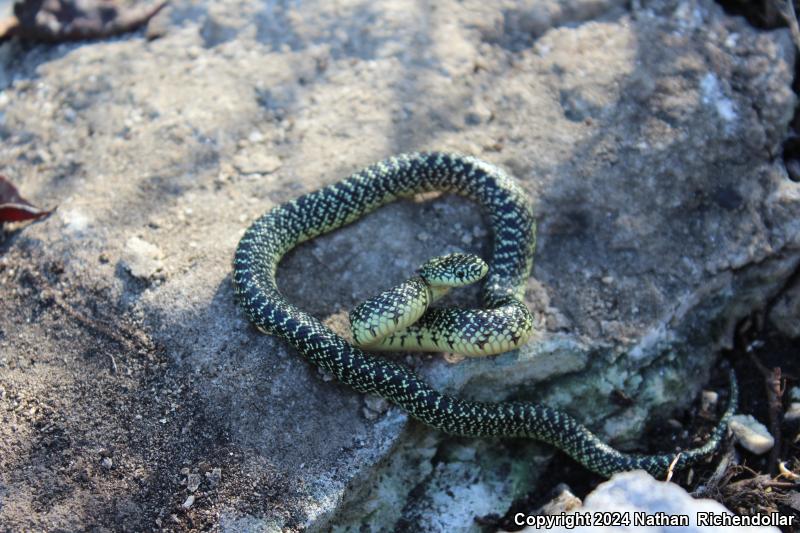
(761, 14)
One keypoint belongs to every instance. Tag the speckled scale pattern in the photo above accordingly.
(512, 225)
(392, 310)
(400, 319)
(453, 270)
(471, 332)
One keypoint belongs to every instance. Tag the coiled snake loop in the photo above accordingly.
(512, 224)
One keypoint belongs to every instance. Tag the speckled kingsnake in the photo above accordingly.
(511, 220)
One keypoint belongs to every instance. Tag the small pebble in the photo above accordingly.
(751, 434)
(794, 394)
(214, 477)
(256, 162)
(674, 424)
(708, 401)
(792, 414)
(106, 463)
(564, 502)
(141, 258)
(193, 482)
(75, 221)
(189, 501)
(478, 114)
(374, 407)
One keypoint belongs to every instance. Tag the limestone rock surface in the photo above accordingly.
(648, 139)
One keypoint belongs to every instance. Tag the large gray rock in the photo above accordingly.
(648, 141)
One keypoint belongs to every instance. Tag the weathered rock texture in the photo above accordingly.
(648, 141)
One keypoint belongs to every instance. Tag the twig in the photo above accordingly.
(786, 473)
(761, 482)
(775, 391)
(721, 475)
(113, 363)
(671, 469)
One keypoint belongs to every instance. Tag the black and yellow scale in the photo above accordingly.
(505, 322)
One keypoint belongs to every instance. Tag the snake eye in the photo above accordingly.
(460, 273)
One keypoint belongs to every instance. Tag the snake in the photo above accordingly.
(401, 318)
(512, 225)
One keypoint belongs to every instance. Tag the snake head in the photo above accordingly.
(453, 270)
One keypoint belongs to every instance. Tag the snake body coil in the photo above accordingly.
(512, 224)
